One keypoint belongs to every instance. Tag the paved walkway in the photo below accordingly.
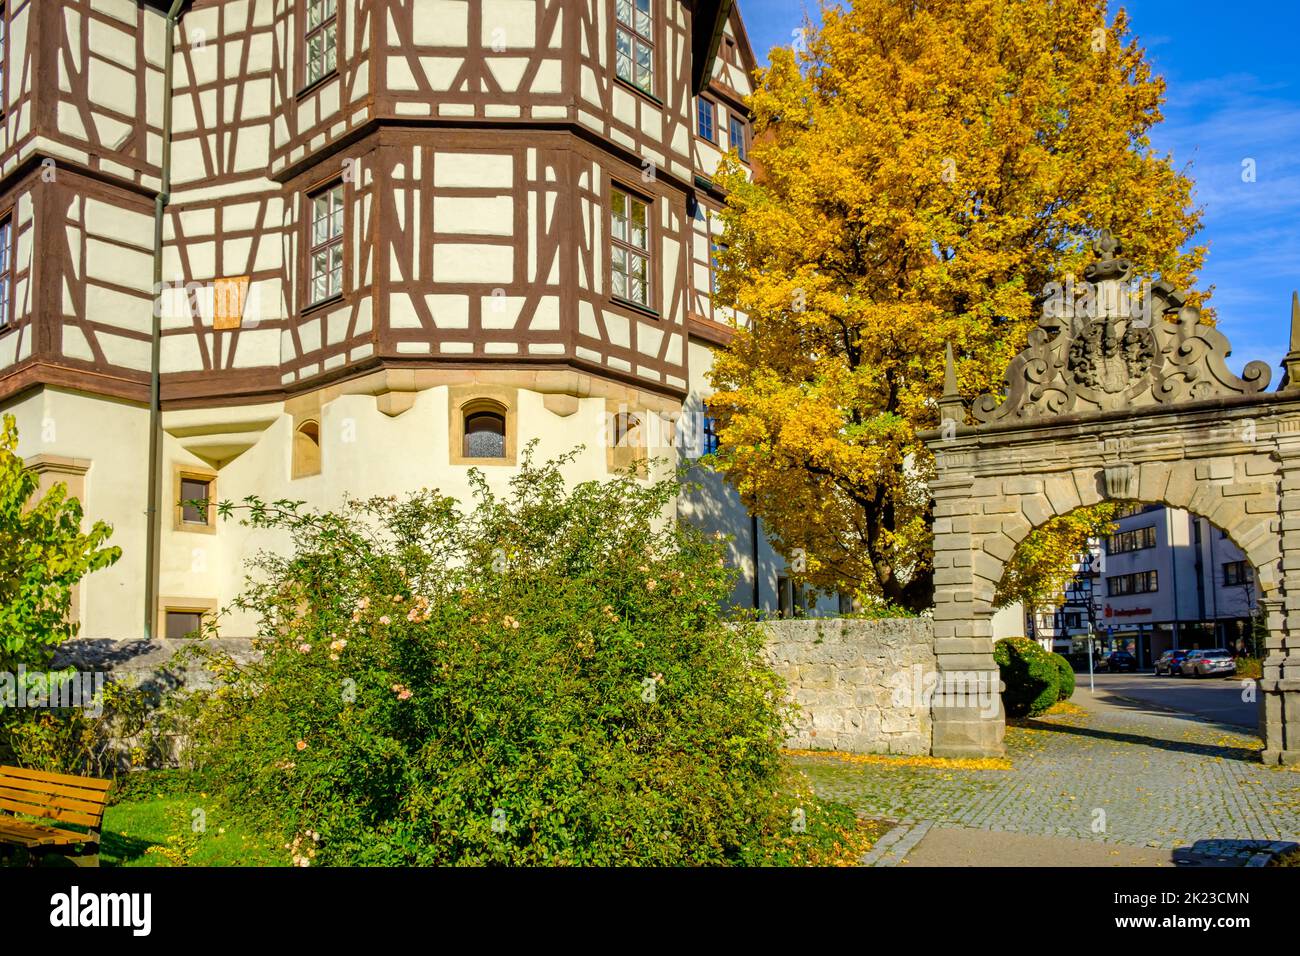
(966, 846)
(1218, 699)
(1113, 778)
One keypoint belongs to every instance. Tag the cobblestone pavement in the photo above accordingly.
(1107, 774)
(893, 847)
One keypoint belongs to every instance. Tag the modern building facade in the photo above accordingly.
(313, 248)
(1164, 579)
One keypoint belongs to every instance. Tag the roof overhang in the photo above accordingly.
(707, 25)
(164, 6)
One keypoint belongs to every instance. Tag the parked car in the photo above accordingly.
(1117, 661)
(1217, 662)
(1171, 663)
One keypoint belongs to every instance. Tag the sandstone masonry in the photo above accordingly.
(853, 682)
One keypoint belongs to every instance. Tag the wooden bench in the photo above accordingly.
(57, 797)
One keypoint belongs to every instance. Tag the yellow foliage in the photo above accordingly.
(922, 172)
(894, 760)
(1061, 710)
(1064, 708)
(1043, 563)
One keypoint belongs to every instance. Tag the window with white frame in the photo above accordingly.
(320, 40)
(6, 270)
(195, 500)
(630, 247)
(4, 49)
(706, 119)
(739, 137)
(634, 43)
(715, 266)
(326, 249)
(710, 442)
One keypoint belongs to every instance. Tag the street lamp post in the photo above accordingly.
(1092, 684)
(1094, 609)
(1252, 609)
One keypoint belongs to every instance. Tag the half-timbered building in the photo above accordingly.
(313, 248)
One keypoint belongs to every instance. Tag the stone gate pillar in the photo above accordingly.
(1117, 365)
(1279, 687)
(966, 710)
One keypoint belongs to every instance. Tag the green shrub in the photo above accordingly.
(544, 679)
(1065, 672)
(1031, 676)
(44, 553)
(131, 727)
(1250, 667)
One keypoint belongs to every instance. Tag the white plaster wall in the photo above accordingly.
(716, 506)
(1009, 621)
(363, 453)
(113, 436)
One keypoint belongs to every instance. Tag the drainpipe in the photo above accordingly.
(155, 347)
(1173, 565)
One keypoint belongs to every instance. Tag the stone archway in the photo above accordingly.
(1116, 398)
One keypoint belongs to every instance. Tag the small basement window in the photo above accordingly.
(183, 624)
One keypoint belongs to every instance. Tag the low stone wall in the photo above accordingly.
(854, 682)
(148, 663)
(859, 685)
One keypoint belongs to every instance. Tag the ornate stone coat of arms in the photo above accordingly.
(1114, 347)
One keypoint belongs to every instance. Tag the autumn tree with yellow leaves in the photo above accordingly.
(1039, 571)
(923, 171)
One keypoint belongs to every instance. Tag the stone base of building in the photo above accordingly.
(1281, 758)
(1279, 714)
(966, 732)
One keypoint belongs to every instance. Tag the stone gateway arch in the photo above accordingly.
(1116, 397)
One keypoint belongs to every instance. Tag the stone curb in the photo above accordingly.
(892, 848)
(1235, 852)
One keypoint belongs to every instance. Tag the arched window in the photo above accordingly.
(485, 432)
(306, 450)
(627, 430)
(627, 443)
(483, 425)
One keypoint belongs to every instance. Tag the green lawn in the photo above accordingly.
(151, 822)
(165, 824)
(833, 837)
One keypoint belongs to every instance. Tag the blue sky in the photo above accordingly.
(1233, 77)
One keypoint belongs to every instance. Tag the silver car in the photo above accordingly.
(1212, 663)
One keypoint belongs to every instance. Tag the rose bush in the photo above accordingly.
(544, 678)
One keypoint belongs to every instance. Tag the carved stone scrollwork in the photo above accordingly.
(1111, 348)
